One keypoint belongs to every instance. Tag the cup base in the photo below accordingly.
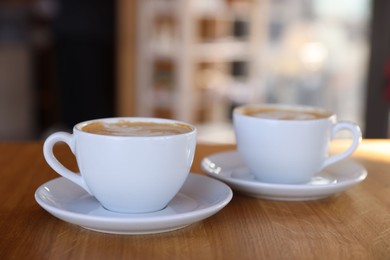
(133, 211)
(292, 182)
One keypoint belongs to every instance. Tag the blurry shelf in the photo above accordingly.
(189, 33)
(217, 133)
(226, 50)
(159, 7)
(221, 50)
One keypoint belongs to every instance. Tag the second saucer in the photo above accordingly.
(230, 168)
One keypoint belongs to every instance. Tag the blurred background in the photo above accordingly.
(65, 61)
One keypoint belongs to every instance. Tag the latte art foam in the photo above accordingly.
(128, 128)
(284, 115)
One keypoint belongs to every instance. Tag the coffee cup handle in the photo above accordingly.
(356, 139)
(55, 164)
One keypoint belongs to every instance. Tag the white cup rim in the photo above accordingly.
(327, 114)
(78, 127)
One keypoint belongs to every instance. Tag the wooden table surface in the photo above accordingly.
(352, 225)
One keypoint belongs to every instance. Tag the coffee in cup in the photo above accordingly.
(280, 113)
(130, 128)
(288, 144)
(130, 165)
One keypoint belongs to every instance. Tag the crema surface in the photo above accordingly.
(128, 128)
(283, 114)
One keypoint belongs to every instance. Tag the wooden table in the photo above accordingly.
(352, 225)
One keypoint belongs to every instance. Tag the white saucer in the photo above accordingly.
(199, 198)
(229, 168)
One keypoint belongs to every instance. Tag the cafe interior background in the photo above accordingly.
(65, 61)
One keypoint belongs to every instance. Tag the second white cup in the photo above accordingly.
(288, 144)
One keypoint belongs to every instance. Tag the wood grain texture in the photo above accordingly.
(352, 225)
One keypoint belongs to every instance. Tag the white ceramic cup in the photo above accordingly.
(289, 151)
(128, 174)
